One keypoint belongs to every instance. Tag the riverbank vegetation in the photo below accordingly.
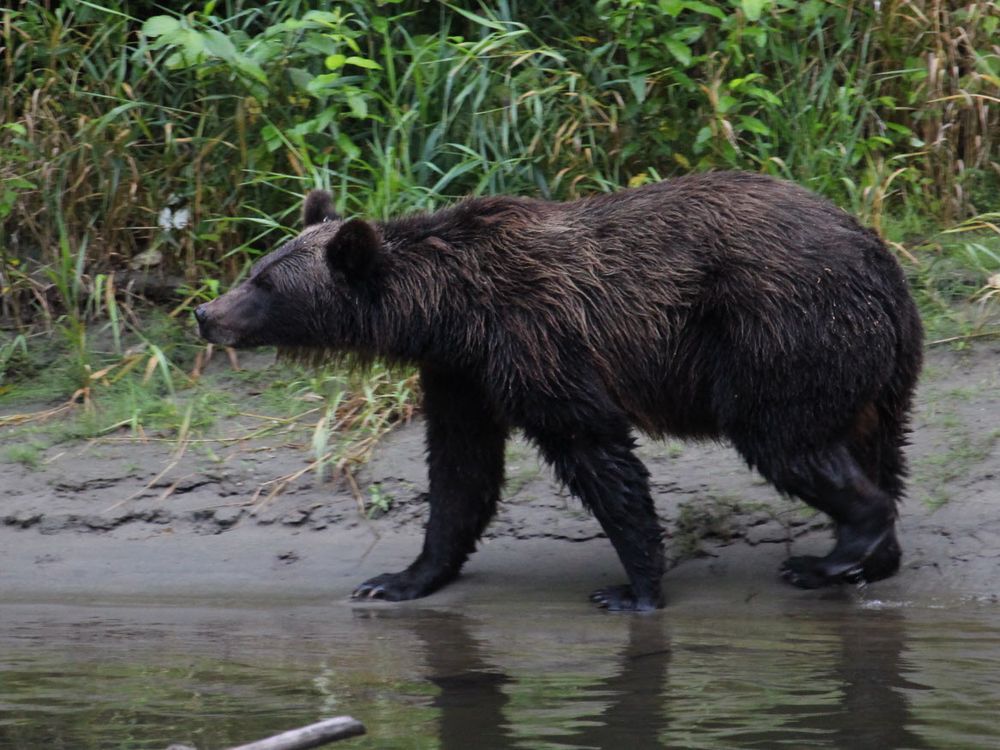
(148, 157)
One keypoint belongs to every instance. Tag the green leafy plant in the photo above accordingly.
(150, 149)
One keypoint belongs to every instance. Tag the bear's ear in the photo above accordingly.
(355, 249)
(317, 208)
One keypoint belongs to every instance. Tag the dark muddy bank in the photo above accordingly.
(124, 516)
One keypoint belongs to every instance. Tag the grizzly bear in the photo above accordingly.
(726, 306)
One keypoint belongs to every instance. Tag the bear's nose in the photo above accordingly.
(199, 313)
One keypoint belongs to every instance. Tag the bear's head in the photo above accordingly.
(304, 294)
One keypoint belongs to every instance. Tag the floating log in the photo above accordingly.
(313, 735)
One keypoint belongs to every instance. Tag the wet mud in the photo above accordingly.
(131, 515)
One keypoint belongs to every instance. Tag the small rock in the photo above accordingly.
(295, 518)
(156, 515)
(25, 519)
(767, 533)
(99, 523)
(227, 517)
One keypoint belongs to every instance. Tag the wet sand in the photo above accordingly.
(124, 519)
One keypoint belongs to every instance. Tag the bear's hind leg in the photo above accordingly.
(465, 459)
(832, 481)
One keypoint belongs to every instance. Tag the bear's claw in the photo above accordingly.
(879, 558)
(394, 587)
(808, 572)
(366, 591)
(622, 599)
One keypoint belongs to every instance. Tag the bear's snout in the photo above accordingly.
(238, 318)
(201, 315)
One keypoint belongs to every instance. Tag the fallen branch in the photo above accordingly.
(313, 735)
(37, 416)
(966, 337)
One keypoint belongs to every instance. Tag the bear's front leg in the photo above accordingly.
(465, 461)
(597, 463)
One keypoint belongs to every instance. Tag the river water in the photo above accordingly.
(825, 672)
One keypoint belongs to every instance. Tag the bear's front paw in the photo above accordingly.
(623, 599)
(808, 572)
(392, 587)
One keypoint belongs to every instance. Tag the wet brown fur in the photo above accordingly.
(723, 305)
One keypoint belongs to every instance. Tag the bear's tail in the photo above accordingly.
(883, 427)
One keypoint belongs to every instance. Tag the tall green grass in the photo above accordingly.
(232, 110)
(144, 150)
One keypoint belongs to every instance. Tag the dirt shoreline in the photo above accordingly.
(124, 518)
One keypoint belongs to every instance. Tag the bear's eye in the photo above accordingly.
(264, 283)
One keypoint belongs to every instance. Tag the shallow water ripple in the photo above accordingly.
(826, 675)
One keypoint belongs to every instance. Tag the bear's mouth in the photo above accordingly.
(210, 330)
(215, 335)
(234, 319)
